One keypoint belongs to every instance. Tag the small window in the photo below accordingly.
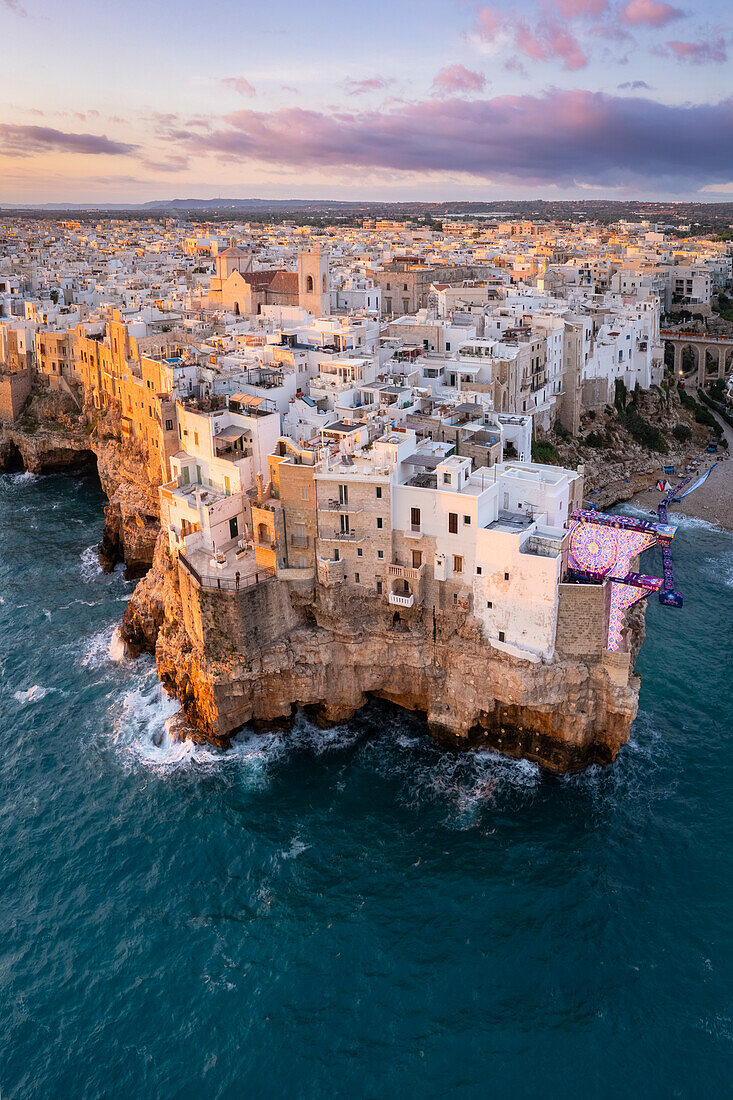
(501, 635)
(379, 492)
(356, 578)
(169, 425)
(506, 576)
(196, 439)
(453, 523)
(457, 563)
(380, 523)
(304, 492)
(478, 570)
(380, 554)
(447, 479)
(455, 597)
(359, 552)
(489, 603)
(379, 588)
(336, 555)
(415, 519)
(466, 519)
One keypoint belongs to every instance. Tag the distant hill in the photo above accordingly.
(716, 217)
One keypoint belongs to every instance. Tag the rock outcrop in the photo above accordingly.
(55, 436)
(132, 517)
(257, 656)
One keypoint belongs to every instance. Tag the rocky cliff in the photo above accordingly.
(256, 656)
(55, 436)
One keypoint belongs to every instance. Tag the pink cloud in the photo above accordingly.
(700, 53)
(371, 84)
(562, 138)
(579, 9)
(650, 13)
(26, 140)
(240, 85)
(15, 7)
(551, 42)
(488, 22)
(548, 40)
(457, 78)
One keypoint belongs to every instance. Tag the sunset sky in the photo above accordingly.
(394, 99)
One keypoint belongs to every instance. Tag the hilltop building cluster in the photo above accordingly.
(354, 405)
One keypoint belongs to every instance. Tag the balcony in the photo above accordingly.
(340, 536)
(401, 601)
(405, 572)
(331, 571)
(340, 506)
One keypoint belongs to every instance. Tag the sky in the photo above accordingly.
(391, 100)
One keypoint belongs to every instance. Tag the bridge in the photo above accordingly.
(700, 343)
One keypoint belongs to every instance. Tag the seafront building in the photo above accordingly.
(355, 405)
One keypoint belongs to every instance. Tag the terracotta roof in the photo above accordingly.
(285, 281)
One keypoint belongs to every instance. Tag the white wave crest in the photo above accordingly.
(33, 694)
(90, 567)
(97, 651)
(117, 650)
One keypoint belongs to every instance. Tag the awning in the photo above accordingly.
(230, 434)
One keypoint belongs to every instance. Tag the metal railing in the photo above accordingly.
(225, 584)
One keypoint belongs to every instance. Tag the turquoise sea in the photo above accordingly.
(352, 913)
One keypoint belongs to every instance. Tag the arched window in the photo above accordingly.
(309, 284)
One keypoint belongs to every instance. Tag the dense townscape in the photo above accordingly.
(365, 420)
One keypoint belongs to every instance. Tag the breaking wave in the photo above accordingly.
(90, 567)
(33, 694)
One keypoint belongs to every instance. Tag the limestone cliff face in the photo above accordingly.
(256, 656)
(55, 436)
(132, 517)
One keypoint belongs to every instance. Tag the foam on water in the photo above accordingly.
(90, 567)
(117, 650)
(33, 694)
(98, 648)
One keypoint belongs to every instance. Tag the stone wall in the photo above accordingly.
(15, 390)
(582, 620)
(237, 623)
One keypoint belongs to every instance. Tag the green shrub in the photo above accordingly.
(545, 452)
(645, 433)
(561, 431)
(682, 433)
(620, 395)
(595, 439)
